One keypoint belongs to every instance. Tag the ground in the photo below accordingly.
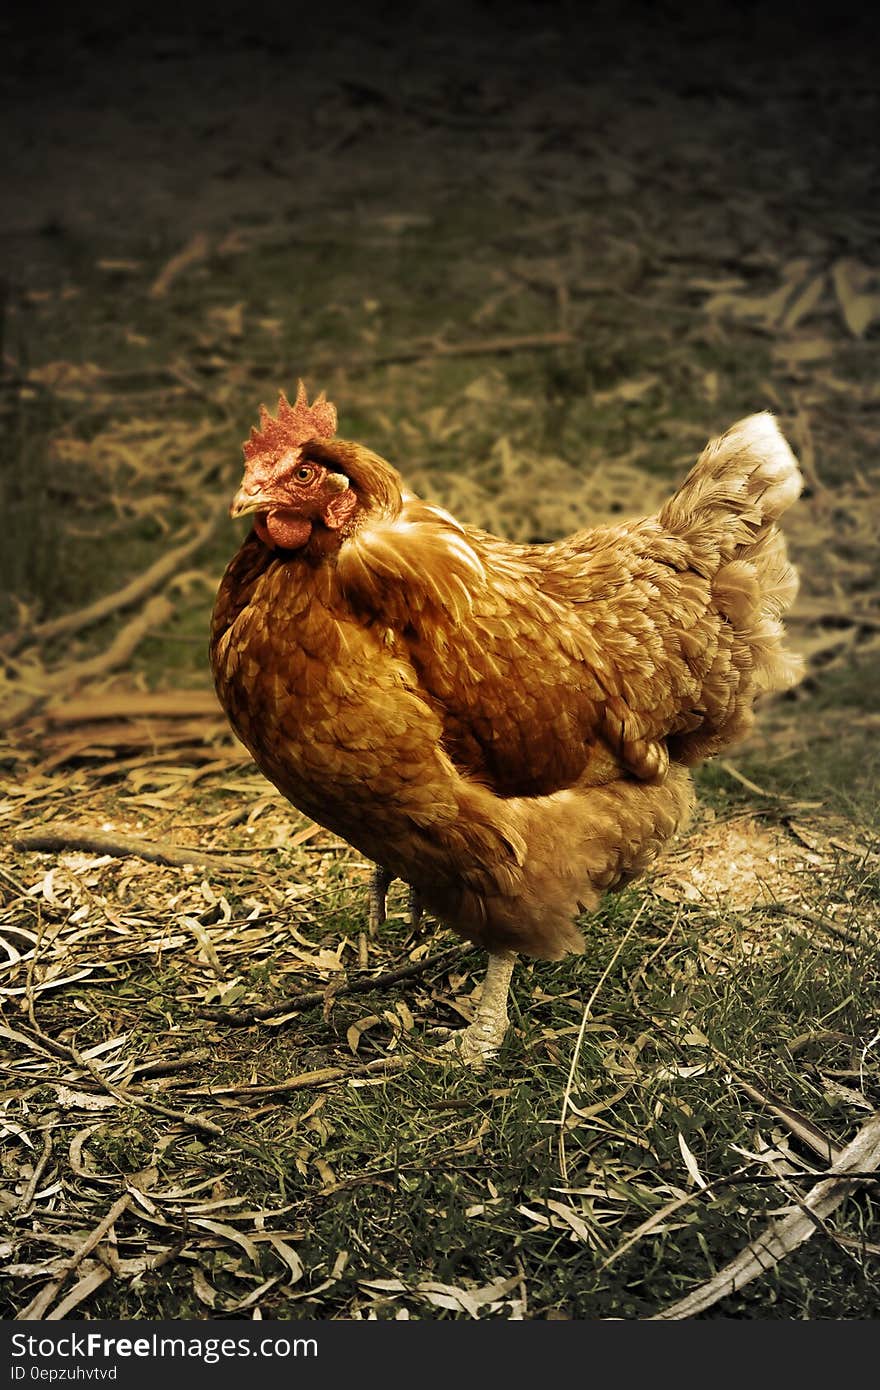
(537, 270)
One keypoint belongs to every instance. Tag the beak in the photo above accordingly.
(246, 502)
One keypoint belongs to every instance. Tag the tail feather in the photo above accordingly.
(727, 512)
(740, 485)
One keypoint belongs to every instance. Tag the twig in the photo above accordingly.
(308, 1078)
(81, 1290)
(38, 1306)
(155, 1107)
(164, 568)
(524, 342)
(46, 1048)
(804, 915)
(174, 1064)
(157, 611)
(785, 1235)
(136, 704)
(27, 1200)
(169, 1112)
(746, 782)
(61, 836)
(195, 250)
(486, 347)
(137, 1103)
(859, 1245)
(13, 882)
(363, 985)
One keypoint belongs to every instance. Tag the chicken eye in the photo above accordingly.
(304, 474)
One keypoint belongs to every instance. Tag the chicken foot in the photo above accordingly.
(480, 1041)
(379, 884)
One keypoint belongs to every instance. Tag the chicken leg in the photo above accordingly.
(479, 1042)
(379, 884)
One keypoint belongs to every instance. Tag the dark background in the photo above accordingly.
(136, 124)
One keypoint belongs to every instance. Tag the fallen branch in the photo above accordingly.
(136, 704)
(813, 918)
(242, 1018)
(61, 836)
(780, 1238)
(164, 568)
(485, 347)
(157, 611)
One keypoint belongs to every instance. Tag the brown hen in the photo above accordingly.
(505, 727)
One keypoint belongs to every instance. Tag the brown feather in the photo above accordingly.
(507, 727)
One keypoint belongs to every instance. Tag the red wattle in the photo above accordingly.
(285, 530)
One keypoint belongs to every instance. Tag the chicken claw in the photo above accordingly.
(480, 1041)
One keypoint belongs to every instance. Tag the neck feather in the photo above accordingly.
(378, 486)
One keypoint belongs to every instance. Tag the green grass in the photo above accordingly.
(437, 1174)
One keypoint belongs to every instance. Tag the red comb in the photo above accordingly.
(293, 426)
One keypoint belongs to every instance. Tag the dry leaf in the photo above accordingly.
(803, 350)
(804, 302)
(626, 391)
(229, 1233)
(856, 287)
(84, 1287)
(287, 1254)
(356, 1030)
(83, 1100)
(203, 1290)
(690, 1162)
